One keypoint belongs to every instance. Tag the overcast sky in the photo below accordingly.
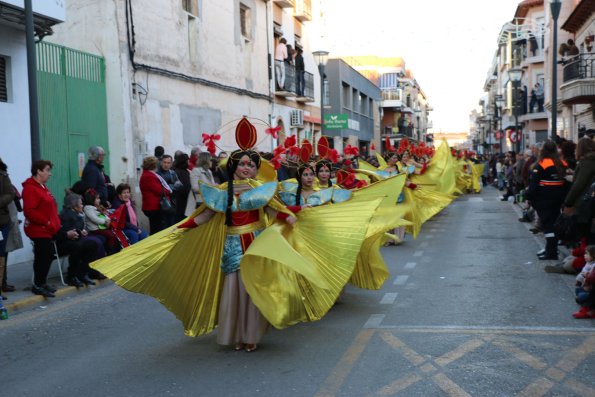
(448, 44)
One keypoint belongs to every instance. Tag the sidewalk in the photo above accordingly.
(20, 275)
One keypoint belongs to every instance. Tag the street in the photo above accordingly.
(467, 311)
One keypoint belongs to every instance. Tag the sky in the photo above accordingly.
(447, 44)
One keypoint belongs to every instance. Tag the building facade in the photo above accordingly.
(15, 150)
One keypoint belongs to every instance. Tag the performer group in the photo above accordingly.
(259, 253)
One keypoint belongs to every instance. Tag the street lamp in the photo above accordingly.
(515, 76)
(321, 58)
(417, 111)
(499, 99)
(555, 6)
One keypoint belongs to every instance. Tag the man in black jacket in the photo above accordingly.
(93, 177)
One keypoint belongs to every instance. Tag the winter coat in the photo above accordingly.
(41, 211)
(93, 178)
(15, 240)
(198, 174)
(151, 190)
(6, 197)
(584, 176)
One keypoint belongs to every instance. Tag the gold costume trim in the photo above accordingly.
(249, 228)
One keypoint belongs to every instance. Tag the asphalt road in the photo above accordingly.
(468, 310)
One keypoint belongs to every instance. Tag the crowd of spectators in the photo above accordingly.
(554, 182)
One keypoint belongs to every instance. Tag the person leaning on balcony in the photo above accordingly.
(300, 71)
(539, 95)
(280, 55)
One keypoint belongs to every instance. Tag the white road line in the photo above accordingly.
(374, 321)
(410, 265)
(389, 298)
(424, 244)
(429, 236)
(401, 280)
(475, 199)
(491, 328)
(418, 253)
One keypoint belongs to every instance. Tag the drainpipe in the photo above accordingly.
(32, 74)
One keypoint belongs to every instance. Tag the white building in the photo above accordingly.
(15, 139)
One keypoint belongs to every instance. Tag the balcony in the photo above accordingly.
(392, 98)
(303, 10)
(579, 80)
(289, 87)
(308, 91)
(285, 3)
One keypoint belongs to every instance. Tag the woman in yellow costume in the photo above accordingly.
(231, 265)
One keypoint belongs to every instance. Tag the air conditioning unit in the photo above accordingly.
(297, 117)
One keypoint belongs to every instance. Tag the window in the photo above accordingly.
(3, 79)
(346, 96)
(190, 6)
(245, 23)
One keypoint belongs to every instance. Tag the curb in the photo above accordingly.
(34, 300)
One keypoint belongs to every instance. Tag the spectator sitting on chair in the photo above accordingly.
(74, 240)
(97, 223)
(41, 224)
(132, 230)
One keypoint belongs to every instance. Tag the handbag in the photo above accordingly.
(165, 203)
(566, 228)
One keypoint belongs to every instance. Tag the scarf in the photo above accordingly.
(163, 183)
(131, 213)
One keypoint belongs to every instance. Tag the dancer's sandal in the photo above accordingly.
(250, 347)
(238, 346)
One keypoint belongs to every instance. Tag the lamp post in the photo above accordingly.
(488, 138)
(321, 58)
(555, 6)
(499, 102)
(515, 76)
(417, 111)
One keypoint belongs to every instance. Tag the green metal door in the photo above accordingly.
(72, 110)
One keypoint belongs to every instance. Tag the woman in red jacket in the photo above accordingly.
(152, 188)
(42, 223)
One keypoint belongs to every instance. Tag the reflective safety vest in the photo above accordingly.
(549, 176)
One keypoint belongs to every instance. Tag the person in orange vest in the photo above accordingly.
(546, 193)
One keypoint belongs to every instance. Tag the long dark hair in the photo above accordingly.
(301, 170)
(232, 166)
(550, 151)
(327, 164)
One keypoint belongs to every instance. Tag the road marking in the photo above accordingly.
(410, 355)
(401, 280)
(389, 298)
(521, 355)
(580, 388)
(475, 199)
(429, 236)
(332, 384)
(424, 244)
(410, 265)
(573, 358)
(537, 389)
(449, 387)
(459, 352)
(398, 385)
(418, 253)
(374, 321)
(515, 330)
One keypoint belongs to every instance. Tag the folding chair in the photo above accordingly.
(56, 258)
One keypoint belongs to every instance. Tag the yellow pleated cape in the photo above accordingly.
(296, 274)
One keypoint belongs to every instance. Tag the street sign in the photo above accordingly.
(336, 121)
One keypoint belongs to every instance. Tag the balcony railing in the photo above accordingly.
(580, 67)
(285, 3)
(307, 90)
(392, 95)
(286, 87)
(303, 10)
